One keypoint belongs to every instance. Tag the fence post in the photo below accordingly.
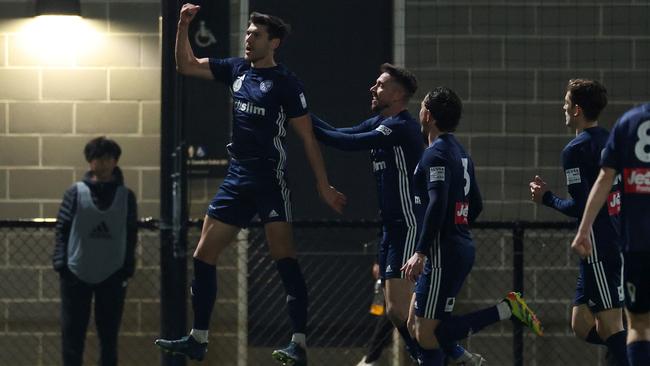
(518, 285)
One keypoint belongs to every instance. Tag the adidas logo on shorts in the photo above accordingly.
(273, 214)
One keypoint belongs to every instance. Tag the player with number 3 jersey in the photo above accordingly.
(447, 200)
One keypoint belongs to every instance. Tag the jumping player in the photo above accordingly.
(447, 200)
(627, 152)
(265, 96)
(597, 315)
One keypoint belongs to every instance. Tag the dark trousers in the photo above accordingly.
(76, 300)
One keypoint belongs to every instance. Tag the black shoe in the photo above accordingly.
(293, 355)
(187, 346)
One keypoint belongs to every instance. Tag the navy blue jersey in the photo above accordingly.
(581, 164)
(447, 197)
(395, 145)
(263, 100)
(628, 151)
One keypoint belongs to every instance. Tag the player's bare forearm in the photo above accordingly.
(597, 198)
(186, 61)
(303, 127)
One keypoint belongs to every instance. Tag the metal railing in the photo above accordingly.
(250, 318)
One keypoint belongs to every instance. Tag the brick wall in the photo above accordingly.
(509, 62)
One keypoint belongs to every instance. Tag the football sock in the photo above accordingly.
(638, 353)
(204, 293)
(431, 357)
(296, 289)
(456, 328)
(411, 345)
(616, 345)
(593, 337)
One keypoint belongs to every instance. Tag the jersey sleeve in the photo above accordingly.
(474, 197)
(380, 137)
(364, 126)
(577, 185)
(223, 69)
(293, 98)
(610, 156)
(438, 181)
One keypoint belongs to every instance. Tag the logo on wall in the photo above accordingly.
(266, 85)
(204, 37)
(237, 84)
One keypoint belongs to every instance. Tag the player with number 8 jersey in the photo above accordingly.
(628, 152)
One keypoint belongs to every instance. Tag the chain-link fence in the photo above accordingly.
(250, 317)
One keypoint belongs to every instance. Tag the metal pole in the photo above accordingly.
(518, 285)
(173, 206)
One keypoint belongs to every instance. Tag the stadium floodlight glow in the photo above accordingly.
(58, 7)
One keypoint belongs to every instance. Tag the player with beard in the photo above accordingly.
(265, 96)
(395, 142)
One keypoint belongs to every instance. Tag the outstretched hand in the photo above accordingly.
(188, 12)
(333, 198)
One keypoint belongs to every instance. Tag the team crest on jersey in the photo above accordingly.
(266, 86)
(237, 84)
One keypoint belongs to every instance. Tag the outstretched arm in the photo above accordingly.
(186, 62)
(303, 127)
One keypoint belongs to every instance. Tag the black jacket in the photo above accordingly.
(102, 195)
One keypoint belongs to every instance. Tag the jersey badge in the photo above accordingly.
(437, 174)
(237, 84)
(572, 176)
(384, 129)
(266, 86)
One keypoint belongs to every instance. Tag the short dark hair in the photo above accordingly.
(403, 77)
(275, 27)
(100, 147)
(590, 95)
(445, 107)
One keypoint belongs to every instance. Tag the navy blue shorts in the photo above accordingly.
(252, 188)
(396, 247)
(600, 283)
(637, 282)
(436, 289)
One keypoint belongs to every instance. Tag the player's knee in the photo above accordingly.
(639, 322)
(395, 314)
(425, 335)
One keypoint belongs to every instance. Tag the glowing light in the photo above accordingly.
(56, 40)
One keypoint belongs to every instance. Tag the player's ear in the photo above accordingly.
(275, 43)
(577, 110)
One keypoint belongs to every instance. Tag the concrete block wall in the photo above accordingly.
(509, 62)
(107, 84)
